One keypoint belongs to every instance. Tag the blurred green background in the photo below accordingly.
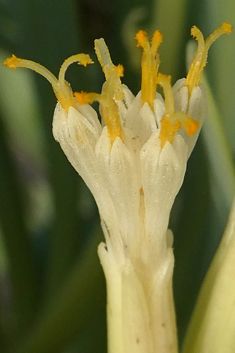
(52, 289)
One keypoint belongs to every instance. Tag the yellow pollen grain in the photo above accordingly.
(157, 36)
(142, 38)
(191, 126)
(120, 70)
(168, 129)
(196, 33)
(85, 60)
(86, 98)
(227, 28)
(11, 62)
(81, 97)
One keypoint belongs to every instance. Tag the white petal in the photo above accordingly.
(124, 104)
(128, 96)
(78, 137)
(162, 173)
(180, 92)
(159, 109)
(141, 120)
(179, 84)
(90, 114)
(121, 179)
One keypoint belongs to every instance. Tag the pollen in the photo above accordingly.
(190, 126)
(120, 70)
(86, 98)
(149, 63)
(142, 39)
(85, 60)
(200, 58)
(11, 62)
(157, 37)
(171, 121)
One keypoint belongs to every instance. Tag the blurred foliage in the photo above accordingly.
(52, 296)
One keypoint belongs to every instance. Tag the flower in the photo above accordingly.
(134, 162)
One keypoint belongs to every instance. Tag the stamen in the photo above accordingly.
(103, 56)
(15, 62)
(171, 121)
(142, 39)
(64, 93)
(107, 65)
(81, 59)
(112, 90)
(150, 63)
(199, 61)
(165, 82)
(61, 88)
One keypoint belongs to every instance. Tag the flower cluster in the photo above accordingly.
(134, 162)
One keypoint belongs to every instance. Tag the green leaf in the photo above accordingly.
(213, 325)
(17, 242)
(71, 308)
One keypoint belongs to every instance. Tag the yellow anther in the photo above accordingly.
(142, 39)
(11, 62)
(171, 121)
(200, 58)
(226, 27)
(61, 88)
(190, 126)
(168, 130)
(15, 62)
(156, 41)
(157, 37)
(150, 62)
(86, 98)
(120, 70)
(85, 60)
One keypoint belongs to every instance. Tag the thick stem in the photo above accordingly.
(140, 308)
